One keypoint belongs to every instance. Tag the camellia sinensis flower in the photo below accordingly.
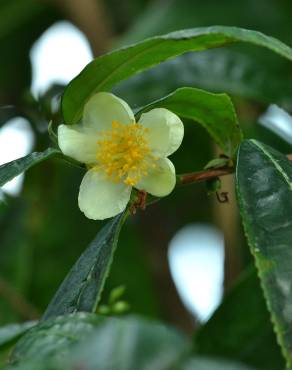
(120, 153)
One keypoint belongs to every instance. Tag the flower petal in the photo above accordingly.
(161, 180)
(103, 108)
(100, 198)
(166, 131)
(78, 143)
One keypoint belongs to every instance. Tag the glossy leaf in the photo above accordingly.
(82, 287)
(264, 190)
(244, 320)
(11, 169)
(106, 71)
(215, 112)
(11, 332)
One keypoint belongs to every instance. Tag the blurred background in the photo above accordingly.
(179, 257)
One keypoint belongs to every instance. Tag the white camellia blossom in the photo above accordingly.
(120, 153)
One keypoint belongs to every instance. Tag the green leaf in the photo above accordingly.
(87, 341)
(241, 329)
(264, 191)
(82, 287)
(131, 343)
(11, 169)
(214, 70)
(10, 333)
(205, 363)
(54, 337)
(215, 112)
(106, 71)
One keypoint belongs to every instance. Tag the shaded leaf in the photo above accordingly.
(11, 169)
(241, 328)
(105, 71)
(215, 112)
(214, 70)
(130, 344)
(204, 363)
(82, 287)
(264, 190)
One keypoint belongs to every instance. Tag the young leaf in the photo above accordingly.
(106, 71)
(82, 287)
(241, 329)
(264, 191)
(215, 112)
(11, 169)
(11, 332)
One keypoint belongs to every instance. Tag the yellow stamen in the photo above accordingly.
(124, 153)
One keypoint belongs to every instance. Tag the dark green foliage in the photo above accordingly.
(264, 186)
(43, 232)
(106, 71)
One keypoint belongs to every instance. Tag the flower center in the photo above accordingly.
(124, 153)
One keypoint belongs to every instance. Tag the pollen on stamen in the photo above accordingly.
(124, 154)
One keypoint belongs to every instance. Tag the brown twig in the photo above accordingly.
(193, 177)
(190, 178)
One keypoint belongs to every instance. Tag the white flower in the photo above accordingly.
(120, 153)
